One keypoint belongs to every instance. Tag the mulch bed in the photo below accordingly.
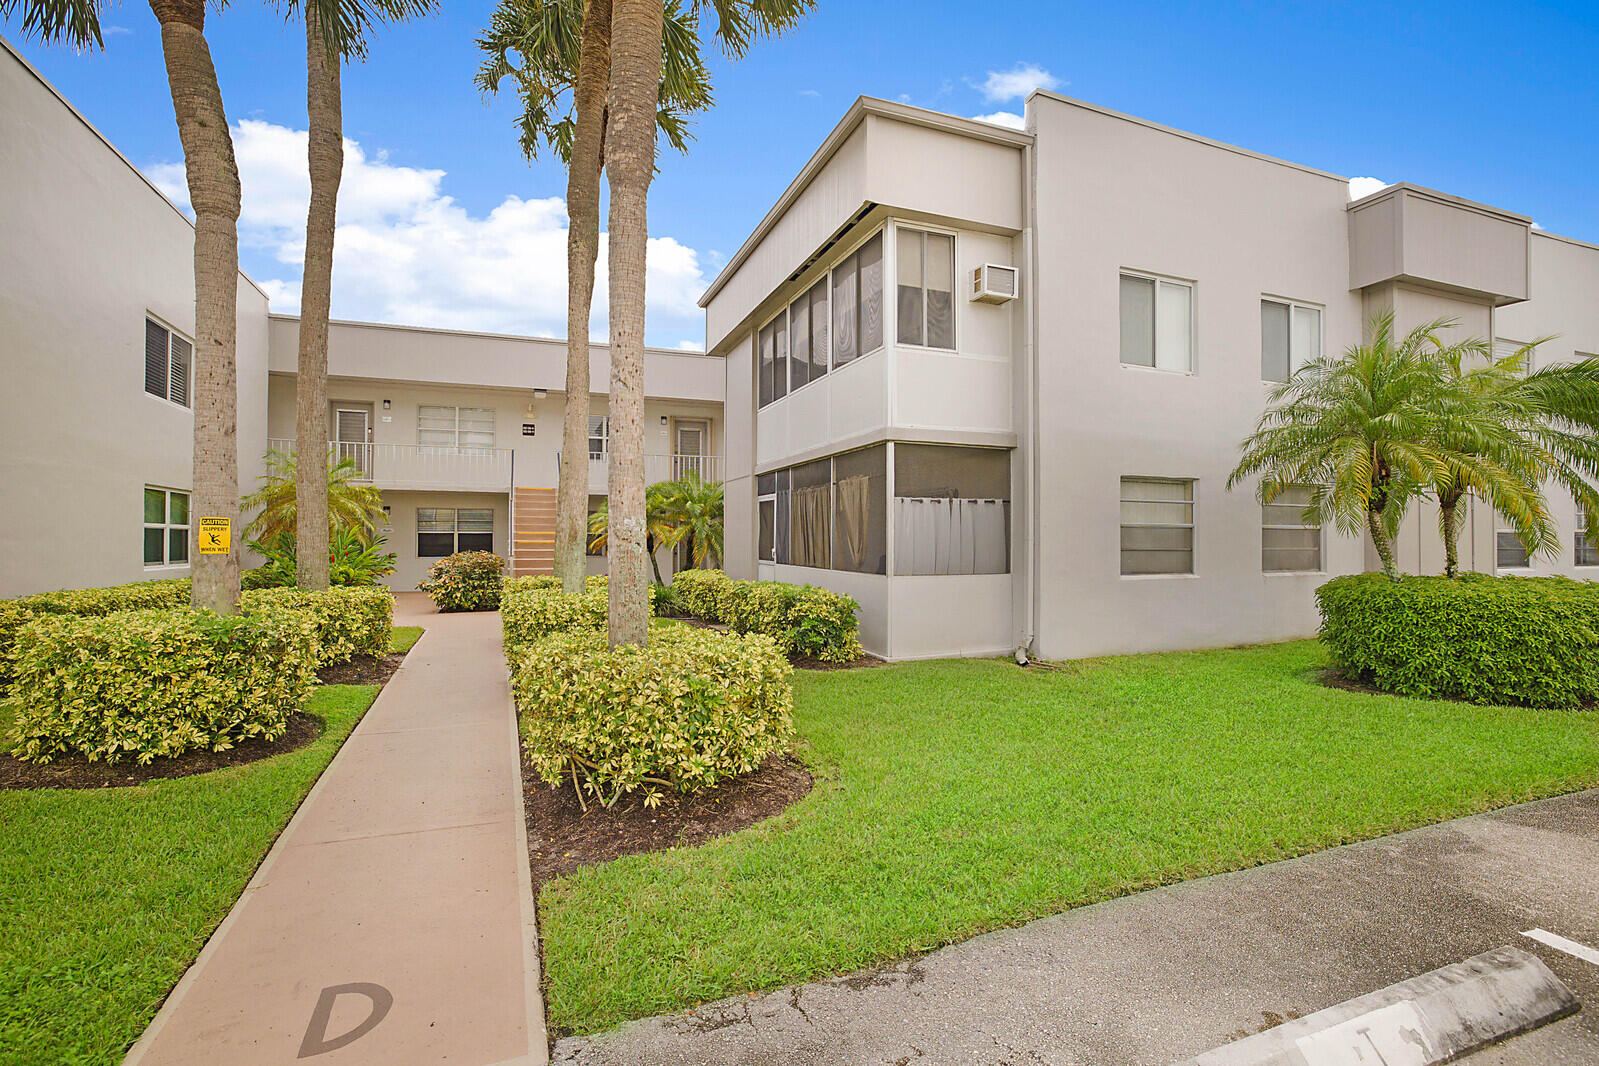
(362, 670)
(79, 772)
(561, 837)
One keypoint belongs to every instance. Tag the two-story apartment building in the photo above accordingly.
(461, 431)
(992, 382)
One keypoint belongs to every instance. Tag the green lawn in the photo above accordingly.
(956, 797)
(405, 637)
(106, 896)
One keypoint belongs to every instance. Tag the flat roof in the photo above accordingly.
(487, 335)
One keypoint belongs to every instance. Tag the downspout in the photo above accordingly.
(1030, 363)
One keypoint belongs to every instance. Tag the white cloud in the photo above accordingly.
(1359, 187)
(406, 252)
(809, 92)
(1017, 82)
(114, 31)
(1004, 118)
(690, 346)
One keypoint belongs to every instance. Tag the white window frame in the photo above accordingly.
(954, 292)
(1502, 529)
(166, 396)
(770, 498)
(166, 525)
(1321, 537)
(456, 410)
(454, 531)
(1297, 359)
(603, 436)
(1578, 539)
(1192, 525)
(1193, 321)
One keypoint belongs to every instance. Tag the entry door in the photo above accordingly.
(353, 438)
(691, 448)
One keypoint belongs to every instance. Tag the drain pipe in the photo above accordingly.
(1031, 289)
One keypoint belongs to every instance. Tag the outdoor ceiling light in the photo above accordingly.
(539, 394)
(385, 405)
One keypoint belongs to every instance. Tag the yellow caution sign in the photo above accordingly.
(214, 535)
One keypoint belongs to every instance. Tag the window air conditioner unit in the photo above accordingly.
(994, 284)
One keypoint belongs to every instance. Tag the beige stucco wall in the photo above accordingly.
(91, 248)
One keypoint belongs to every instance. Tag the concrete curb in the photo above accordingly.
(1434, 1018)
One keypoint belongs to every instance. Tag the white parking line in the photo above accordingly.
(1560, 943)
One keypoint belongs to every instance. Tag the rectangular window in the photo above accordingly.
(1509, 552)
(844, 312)
(1587, 552)
(1157, 519)
(166, 527)
(168, 363)
(810, 512)
(819, 321)
(442, 531)
(1288, 543)
(860, 510)
(951, 510)
(1157, 323)
(763, 357)
(1290, 337)
(858, 303)
(599, 435)
(780, 354)
(925, 265)
(871, 290)
(799, 343)
(766, 517)
(781, 547)
(462, 428)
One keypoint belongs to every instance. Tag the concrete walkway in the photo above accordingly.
(393, 920)
(1164, 975)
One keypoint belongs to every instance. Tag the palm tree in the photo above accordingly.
(1521, 430)
(565, 51)
(327, 45)
(629, 166)
(660, 530)
(352, 505)
(1360, 430)
(693, 513)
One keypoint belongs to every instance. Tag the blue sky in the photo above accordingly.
(444, 223)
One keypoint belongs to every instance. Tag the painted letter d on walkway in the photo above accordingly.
(316, 1040)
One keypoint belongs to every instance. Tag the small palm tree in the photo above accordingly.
(352, 506)
(693, 509)
(1521, 430)
(1360, 431)
(658, 529)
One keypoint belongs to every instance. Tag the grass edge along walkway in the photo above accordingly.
(110, 894)
(959, 796)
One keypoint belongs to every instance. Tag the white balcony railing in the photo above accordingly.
(657, 467)
(418, 466)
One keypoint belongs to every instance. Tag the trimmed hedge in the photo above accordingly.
(690, 709)
(149, 684)
(1532, 641)
(551, 583)
(530, 612)
(350, 620)
(804, 620)
(466, 581)
(138, 596)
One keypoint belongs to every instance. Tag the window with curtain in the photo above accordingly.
(599, 436)
(951, 510)
(440, 426)
(766, 517)
(781, 550)
(799, 343)
(925, 265)
(166, 527)
(858, 303)
(1586, 552)
(1509, 551)
(1157, 520)
(810, 514)
(442, 531)
(1157, 323)
(764, 340)
(1288, 542)
(1290, 337)
(780, 355)
(819, 327)
(860, 510)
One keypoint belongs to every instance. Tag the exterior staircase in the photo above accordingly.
(532, 531)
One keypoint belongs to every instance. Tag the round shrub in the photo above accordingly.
(803, 619)
(350, 620)
(699, 592)
(466, 581)
(1532, 641)
(688, 710)
(152, 684)
(526, 617)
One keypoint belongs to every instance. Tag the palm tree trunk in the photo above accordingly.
(1385, 548)
(582, 250)
(326, 163)
(649, 546)
(1449, 525)
(213, 178)
(630, 164)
